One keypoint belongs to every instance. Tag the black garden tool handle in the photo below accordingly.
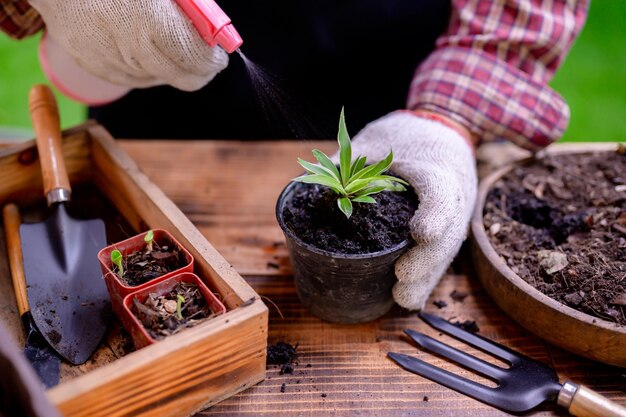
(44, 114)
(580, 401)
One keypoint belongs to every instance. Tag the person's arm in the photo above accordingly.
(491, 68)
(486, 79)
(18, 19)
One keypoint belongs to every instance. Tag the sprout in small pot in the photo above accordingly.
(166, 307)
(135, 262)
(345, 227)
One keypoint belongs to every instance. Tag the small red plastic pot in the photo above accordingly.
(116, 287)
(134, 326)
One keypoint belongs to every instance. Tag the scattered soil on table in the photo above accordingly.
(142, 266)
(167, 314)
(313, 215)
(282, 354)
(560, 224)
(467, 325)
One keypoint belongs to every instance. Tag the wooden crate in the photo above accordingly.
(183, 373)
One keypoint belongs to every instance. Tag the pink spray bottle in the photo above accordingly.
(213, 25)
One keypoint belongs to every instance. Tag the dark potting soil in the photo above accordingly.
(560, 224)
(141, 266)
(313, 215)
(467, 325)
(282, 354)
(166, 314)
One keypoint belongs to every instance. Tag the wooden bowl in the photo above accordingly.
(563, 326)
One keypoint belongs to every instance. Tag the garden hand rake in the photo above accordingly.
(523, 386)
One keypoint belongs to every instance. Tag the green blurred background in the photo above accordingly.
(592, 80)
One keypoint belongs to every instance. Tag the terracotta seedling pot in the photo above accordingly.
(118, 289)
(134, 326)
(338, 287)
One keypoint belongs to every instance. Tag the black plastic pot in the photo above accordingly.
(338, 287)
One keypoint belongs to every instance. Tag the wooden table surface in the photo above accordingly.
(229, 190)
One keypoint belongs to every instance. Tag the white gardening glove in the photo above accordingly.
(138, 43)
(440, 166)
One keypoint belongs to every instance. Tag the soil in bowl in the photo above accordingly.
(560, 224)
(167, 314)
(143, 266)
(313, 215)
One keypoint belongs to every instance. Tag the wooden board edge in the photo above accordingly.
(21, 172)
(254, 316)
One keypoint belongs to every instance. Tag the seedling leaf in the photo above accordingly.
(364, 199)
(345, 149)
(323, 180)
(317, 169)
(117, 258)
(179, 303)
(353, 181)
(345, 205)
(325, 161)
(374, 170)
(149, 238)
(358, 165)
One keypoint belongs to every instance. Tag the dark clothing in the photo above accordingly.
(324, 54)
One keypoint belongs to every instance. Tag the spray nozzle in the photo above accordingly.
(212, 23)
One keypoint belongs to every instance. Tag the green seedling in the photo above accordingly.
(179, 303)
(116, 258)
(352, 180)
(149, 239)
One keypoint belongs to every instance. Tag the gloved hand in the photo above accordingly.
(440, 166)
(139, 43)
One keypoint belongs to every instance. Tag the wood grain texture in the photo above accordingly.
(20, 168)
(228, 189)
(11, 222)
(587, 403)
(44, 114)
(177, 376)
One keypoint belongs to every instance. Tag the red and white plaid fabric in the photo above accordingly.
(490, 69)
(18, 19)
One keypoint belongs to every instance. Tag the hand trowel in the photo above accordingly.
(67, 294)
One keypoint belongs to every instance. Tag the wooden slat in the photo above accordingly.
(21, 172)
(228, 189)
(132, 192)
(187, 371)
(142, 385)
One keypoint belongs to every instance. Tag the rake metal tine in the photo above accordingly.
(482, 367)
(445, 378)
(472, 339)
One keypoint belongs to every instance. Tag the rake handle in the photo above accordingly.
(587, 403)
(44, 114)
(12, 220)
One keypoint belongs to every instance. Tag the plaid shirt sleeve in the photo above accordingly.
(491, 67)
(18, 19)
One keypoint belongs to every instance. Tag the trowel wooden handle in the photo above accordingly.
(44, 114)
(12, 221)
